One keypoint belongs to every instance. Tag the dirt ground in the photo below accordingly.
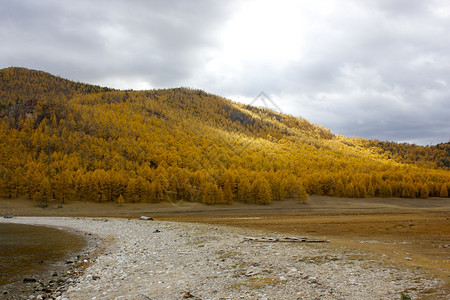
(408, 232)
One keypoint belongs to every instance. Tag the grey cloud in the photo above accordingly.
(157, 40)
(385, 78)
(372, 69)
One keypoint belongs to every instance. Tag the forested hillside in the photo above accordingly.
(436, 156)
(70, 141)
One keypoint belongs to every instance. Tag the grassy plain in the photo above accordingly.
(404, 232)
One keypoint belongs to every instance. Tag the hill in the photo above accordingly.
(20, 84)
(65, 140)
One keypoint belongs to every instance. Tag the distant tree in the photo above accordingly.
(157, 191)
(63, 186)
(244, 190)
(120, 200)
(424, 191)
(444, 191)
(228, 191)
(132, 193)
(262, 191)
(94, 144)
(339, 190)
(218, 195)
(302, 195)
(370, 190)
(385, 189)
(43, 193)
(290, 185)
(278, 188)
(209, 193)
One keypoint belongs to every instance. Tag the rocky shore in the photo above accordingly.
(144, 259)
(52, 278)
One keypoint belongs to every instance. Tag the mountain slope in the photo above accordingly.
(19, 85)
(88, 143)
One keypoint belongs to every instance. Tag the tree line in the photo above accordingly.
(93, 144)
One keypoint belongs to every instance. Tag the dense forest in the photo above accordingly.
(62, 140)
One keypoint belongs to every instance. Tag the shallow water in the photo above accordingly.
(28, 250)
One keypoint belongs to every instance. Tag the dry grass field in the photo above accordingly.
(407, 232)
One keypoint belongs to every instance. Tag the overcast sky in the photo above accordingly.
(375, 69)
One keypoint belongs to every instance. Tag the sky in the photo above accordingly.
(375, 69)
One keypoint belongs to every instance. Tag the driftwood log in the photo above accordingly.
(285, 240)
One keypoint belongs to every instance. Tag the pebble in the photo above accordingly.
(215, 263)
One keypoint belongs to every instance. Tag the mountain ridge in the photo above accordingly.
(86, 142)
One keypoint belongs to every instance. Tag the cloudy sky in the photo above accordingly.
(376, 69)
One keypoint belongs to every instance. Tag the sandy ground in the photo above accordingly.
(318, 205)
(176, 260)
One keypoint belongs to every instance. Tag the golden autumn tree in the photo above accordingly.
(244, 189)
(157, 192)
(443, 190)
(261, 191)
(209, 193)
(228, 191)
(424, 191)
(132, 193)
(95, 144)
(302, 195)
(43, 192)
(120, 200)
(278, 187)
(63, 186)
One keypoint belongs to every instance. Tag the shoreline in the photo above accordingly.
(53, 280)
(169, 260)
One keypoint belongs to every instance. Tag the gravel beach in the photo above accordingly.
(166, 260)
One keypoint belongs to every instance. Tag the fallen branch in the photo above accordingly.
(285, 240)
